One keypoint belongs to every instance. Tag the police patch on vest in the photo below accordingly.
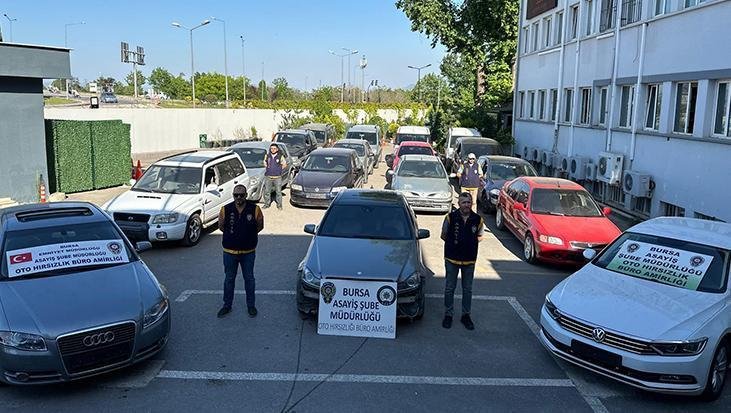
(249, 217)
(474, 229)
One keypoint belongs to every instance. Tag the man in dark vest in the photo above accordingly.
(241, 222)
(461, 232)
(470, 177)
(275, 164)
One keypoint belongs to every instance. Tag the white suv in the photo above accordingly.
(178, 196)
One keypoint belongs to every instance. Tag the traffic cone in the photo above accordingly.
(138, 171)
(42, 190)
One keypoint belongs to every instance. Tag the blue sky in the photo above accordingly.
(291, 37)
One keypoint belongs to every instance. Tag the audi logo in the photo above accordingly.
(598, 335)
(98, 339)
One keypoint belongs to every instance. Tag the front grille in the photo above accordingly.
(81, 352)
(585, 245)
(129, 217)
(611, 339)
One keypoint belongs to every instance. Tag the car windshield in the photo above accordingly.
(325, 163)
(668, 261)
(367, 221)
(414, 150)
(359, 149)
(294, 139)
(62, 249)
(404, 137)
(509, 171)
(569, 202)
(421, 169)
(480, 149)
(252, 157)
(453, 139)
(171, 180)
(319, 136)
(371, 137)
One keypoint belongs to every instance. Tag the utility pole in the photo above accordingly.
(263, 82)
(138, 58)
(418, 69)
(363, 64)
(342, 78)
(66, 45)
(192, 65)
(225, 56)
(243, 65)
(11, 25)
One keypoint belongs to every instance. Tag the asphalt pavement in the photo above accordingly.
(277, 361)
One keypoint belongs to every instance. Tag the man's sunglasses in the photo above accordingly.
(239, 195)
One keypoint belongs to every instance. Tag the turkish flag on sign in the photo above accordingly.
(21, 258)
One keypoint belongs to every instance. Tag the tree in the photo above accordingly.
(431, 88)
(105, 84)
(281, 89)
(263, 94)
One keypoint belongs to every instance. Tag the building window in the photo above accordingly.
(573, 22)
(607, 17)
(568, 104)
(691, 3)
(627, 106)
(654, 99)
(670, 210)
(585, 117)
(521, 105)
(532, 103)
(698, 215)
(559, 27)
(535, 37)
(686, 94)
(541, 104)
(641, 205)
(631, 11)
(526, 39)
(589, 9)
(721, 124)
(662, 7)
(547, 39)
(554, 104)
(603, 95)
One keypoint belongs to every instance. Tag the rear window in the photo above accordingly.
(480, 149)
(372, 138)
(384, 222)
(404, 137)
(359, 149)
(414, 150)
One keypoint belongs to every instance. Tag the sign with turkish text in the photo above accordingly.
(357, 308)
(44, 258)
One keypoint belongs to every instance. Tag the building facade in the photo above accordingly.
(637, 92)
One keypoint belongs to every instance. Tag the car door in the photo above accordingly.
(520, 218)
(239, 172)
(213, 198)
(357, 172)
(509, 206)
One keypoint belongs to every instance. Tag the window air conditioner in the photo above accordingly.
(637, 184)
(610, 167)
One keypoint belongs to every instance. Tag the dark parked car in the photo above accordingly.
(108, 97)
(498, 170)
(252, 154)
(299, 142)
(323, 174)
(372, 134)
(324, 133)
(479, 146)
(364, 151)
(366, 234)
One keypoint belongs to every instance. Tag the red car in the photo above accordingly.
(556, 219)
(412, 148)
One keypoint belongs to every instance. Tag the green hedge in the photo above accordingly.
(86, 155)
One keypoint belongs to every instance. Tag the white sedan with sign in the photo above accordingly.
(652, 310)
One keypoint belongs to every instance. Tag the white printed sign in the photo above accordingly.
(357, 308)
(666, 265)
(67, 255)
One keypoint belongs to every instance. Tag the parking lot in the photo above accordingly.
(278, 362)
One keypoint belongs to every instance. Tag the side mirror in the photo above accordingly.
(453, 175)
(423, 233)
(606, 211)
(211, 188)
(589, 254)
(310, 229)
(132, 182)
(143, 246)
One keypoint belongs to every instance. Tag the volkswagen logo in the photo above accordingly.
(98, 339)
(598, 335)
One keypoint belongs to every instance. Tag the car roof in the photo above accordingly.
(369, 197)
(458, 131)
(420, 130)
(363, 128)
(430, 158)
(699, 231)
(257, 144)
(316, 126)
(551, 183)
(416, 143)
(352, 141)
(479, 139)
(332, 151)
(503, 159)
(192, 159)
(33, 216)
(297, 131)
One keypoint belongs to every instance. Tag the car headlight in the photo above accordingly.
(310, 277)
(547, 239)
(552, 309)
(169, 218)
(23, 341)
(680, 348)
(337, 189)
(296, 187)
(154, 314)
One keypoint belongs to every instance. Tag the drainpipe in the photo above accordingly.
(635, 115)
(575, 96)
(559, 90)
(613, 83)
(517, 72)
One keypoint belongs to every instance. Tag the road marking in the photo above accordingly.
(364, 378)
(135, 377)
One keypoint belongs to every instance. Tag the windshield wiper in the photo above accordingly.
(550, 213)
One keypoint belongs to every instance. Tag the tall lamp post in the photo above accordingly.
(342, 79)
(66, 45)
(11, 25)
(225, 56)
(418, 70)
(349, 52)
(243, 65)
(192, 65)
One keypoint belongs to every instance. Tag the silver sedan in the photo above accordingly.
(423, 181)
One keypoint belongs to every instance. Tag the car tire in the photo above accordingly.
(529, 249)
(717, 373)
(499, 219)
(193, 231)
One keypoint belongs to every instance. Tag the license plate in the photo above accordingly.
(316, 196)
(597, 355)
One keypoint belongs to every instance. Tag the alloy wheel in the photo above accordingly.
(528, 248)
(194, 230)
(720, 364)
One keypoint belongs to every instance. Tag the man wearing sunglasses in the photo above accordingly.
(241, 222)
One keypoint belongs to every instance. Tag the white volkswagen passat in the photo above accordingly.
(652, 310)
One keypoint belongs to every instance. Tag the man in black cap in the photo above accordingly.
(275, 165)
(241, 222)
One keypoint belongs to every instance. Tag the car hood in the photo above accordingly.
(52, 306)
(149, 202)
(313, 179)
(421, 185)
(633, 306)
(392, 260)
(595, 230)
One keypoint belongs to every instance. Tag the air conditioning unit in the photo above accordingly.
(590, 174)
(547, 158)
(577, 168)
(609, 167)
(637, 184)
(562, 162)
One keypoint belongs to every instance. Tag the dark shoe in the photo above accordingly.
(265, 207)
(467, 321)
(252, 312)
(223, 311)
(447, 322)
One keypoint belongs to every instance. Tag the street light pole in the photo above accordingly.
(11, 25)
(66, 45)
(418, 70)
(192, 64)
(350, 87)
(264, 83)
(225, 56)
(243, 65)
